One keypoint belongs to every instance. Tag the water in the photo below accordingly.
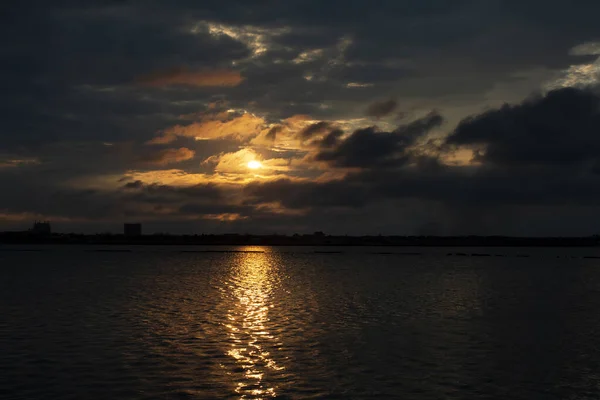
(157, 323)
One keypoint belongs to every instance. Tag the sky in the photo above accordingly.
(407, 117)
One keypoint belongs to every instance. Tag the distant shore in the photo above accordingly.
(15, 238)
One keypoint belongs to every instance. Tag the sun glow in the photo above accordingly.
(254, 164)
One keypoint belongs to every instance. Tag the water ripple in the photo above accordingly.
(257, 323)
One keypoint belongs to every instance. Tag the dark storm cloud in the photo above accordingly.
(557, 129)
(369, 148)
(380, 109)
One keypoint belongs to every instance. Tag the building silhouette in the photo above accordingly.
(132, 229)
(41, 228)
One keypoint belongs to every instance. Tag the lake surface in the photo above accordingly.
(299, 323)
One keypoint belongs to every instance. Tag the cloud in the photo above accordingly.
(534, 156)
(371, 148)
(459, 199)
(559, 128)
(257, 39)
(304, 195)
(11, 162)
(237, 163)
(308, 56)
(233, 162)
(168, 156)
(272, 133)
(358, 85)
(581, 76)
(314, 129)
(183, 76)
(287, 134)
(201, 191)
(168, 177)
(381, 109)
(233, 126)
(586, 49)
(331, 139)
(134, 185)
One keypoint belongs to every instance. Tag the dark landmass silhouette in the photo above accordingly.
(317, 239)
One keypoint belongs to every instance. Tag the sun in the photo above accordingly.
(254, 164)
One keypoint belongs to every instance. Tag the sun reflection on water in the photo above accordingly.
(251, 342)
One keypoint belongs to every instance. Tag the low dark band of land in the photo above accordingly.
(317, 239)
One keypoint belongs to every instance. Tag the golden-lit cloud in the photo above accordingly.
(459, 157)
(171, 177)
(254, 164)
(284, 134)
(17, 162)
(183, 76)
(219, 126)
(180, 178)
(217, 123)
(8, 216)
(279, 209)
(308, 56)
(168, 156)
(246, 161)
(579, 75)
(257, 39)
(226, 217)
(353, 85)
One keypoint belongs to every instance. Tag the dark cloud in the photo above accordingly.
(272, 133)
(168, 156)
(199, 191)
(372, 73)
(67, 67)
(183, 76)
(70, 206)
(300, 195)
(133, 185)
(214, 209)
(370, 148)
(314, 129)
(331, 139)
(557, 129)
(538, 174)
(461, 200)
(380, 109)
